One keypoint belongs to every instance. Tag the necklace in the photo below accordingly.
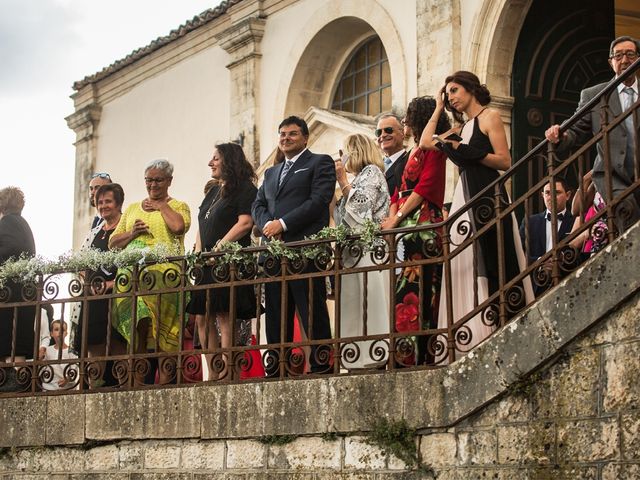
(106, 230)
(213, 202)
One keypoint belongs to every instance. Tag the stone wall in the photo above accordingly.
(554, 395)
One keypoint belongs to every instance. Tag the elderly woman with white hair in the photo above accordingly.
(158, 219)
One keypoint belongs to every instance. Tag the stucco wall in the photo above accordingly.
(178, 114)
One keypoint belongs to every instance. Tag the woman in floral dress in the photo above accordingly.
(418, 201)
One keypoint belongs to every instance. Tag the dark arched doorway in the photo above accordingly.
(562, 48)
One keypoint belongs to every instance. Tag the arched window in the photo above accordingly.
(365, 86)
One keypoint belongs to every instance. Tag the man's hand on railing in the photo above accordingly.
(553, 134)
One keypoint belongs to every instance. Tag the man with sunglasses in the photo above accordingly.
(97, 179)
(623, 52)
(390, 138)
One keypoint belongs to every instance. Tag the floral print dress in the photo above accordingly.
(424, 174)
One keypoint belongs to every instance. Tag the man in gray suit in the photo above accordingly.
(622, 53)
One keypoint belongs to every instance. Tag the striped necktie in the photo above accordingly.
(287, 166)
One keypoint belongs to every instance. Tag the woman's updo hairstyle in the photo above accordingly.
(471, 83)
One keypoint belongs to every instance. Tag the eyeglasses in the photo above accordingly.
(630, 54)
(101, 175)
(150, 180)
(378, 131)
(293, 134)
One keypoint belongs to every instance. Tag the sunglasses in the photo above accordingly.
(101, 175)
(378, 131)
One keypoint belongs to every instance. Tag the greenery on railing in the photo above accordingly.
(27, 269)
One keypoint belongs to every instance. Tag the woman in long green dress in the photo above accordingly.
(158, 219)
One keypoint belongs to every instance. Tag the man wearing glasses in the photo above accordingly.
(293, 202)
(97, 179)
(623, 52)
(390, 138)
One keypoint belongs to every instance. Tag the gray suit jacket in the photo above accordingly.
(588, 126)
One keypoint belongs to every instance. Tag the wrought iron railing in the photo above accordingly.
(486, 221)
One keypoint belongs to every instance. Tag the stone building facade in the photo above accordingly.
(234, 71)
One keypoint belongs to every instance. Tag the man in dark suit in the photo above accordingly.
(293, 202)
(622, 53)
(539, 240)
(390, 137)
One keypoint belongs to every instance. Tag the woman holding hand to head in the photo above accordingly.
(225, 216)
(158, 219)
(480, 156)
(366, 198)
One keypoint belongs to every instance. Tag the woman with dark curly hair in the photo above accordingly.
(225, 216)
(419, 201)
(480, 155)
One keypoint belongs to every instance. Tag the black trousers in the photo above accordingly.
(298, 299)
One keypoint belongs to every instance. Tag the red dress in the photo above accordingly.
(424, 174)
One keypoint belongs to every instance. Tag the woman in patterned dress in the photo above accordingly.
(418, 202)
(365, 199)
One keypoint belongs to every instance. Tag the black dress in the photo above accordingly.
(16, 239)
(98, 316)
(216, 216)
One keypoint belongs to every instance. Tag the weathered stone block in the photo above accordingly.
(394, 463)
(229, 411)
(438, 449)
(168, 413)
(37, 476)
(512, 408)
(527, 443)
(245, 454)
(569, 388)
(630, 424)
(277, 476)
(305, 453)
(130, 456)
(349, 476)
(621, 366)
(622, 324)
(160, 476)
(22, 421)
(354, 403)
(60, 428)
(57, 460)
(161, 456)
(104, 457)
(203, 454)
(477, 448)
(172, 413)
(293, 408)
(424, 398)
(99, 476)
(360, 455)
(621, 471)
(588, 440)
